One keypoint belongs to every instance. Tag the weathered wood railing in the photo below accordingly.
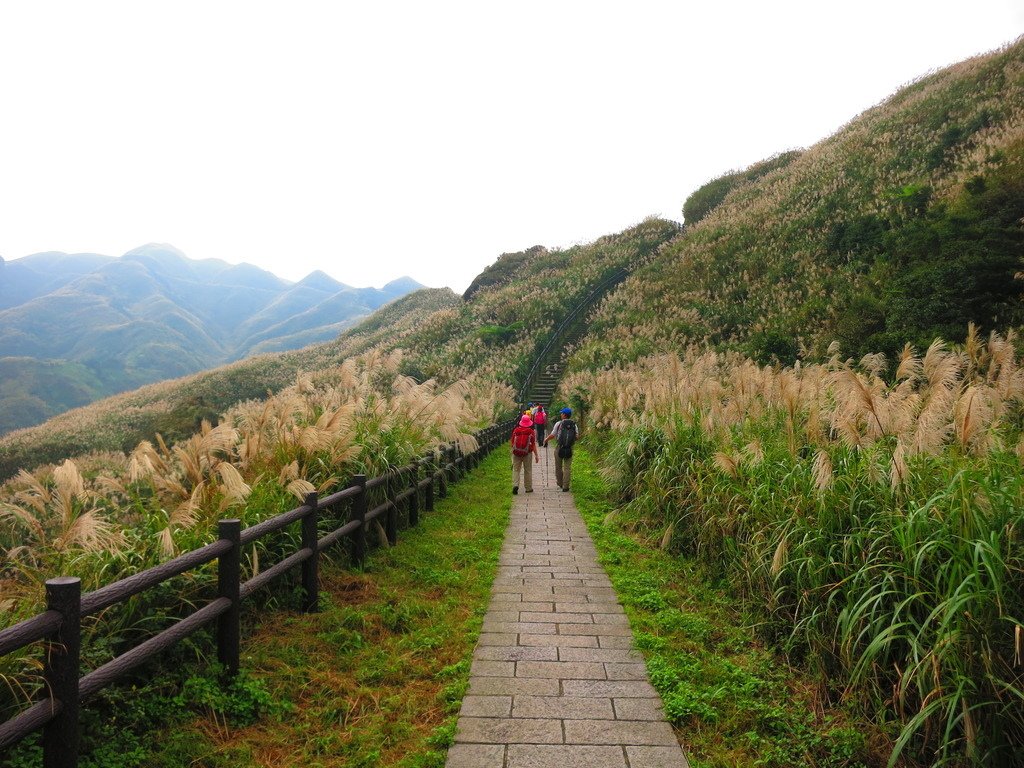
(60, 625)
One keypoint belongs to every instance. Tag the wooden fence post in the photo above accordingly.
(442, 477)
(229, 567)
(391, 515)
(458, 462)
(311, 566)
(61, 672)
(414, 497)
(428, 496)
(358, 512)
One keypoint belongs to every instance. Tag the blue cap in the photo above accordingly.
(566, 411)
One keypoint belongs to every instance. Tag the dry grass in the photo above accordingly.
(160, 500)
(876, 521)
(944, 398)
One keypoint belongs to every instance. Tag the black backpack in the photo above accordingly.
(566, 438)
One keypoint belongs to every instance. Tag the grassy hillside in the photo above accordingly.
(442, 337)
(176, 408)
(866, 502)
(155, 314)
(902, 226)
(499, 328)
(31, 391)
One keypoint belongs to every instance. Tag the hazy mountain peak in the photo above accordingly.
(321, 281)
(158, 250)
(153, 314)
(404, 284)
(246, 275)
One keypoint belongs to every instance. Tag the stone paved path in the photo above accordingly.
(555, 681)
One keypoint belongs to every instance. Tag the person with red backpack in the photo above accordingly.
(540, 419)
(523, 443)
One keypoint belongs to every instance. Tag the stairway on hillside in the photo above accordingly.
(542, 381)
(544, 385)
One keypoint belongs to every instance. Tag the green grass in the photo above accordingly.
(732, 701)
(376, 678)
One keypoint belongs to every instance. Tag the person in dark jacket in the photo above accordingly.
(565, 433)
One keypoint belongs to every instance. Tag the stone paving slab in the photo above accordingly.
(555, 680)
(539, 756)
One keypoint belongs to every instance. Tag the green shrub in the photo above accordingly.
(500, 334)
(708, 197)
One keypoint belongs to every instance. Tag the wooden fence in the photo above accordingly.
(59, 627)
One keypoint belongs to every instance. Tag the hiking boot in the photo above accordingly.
(515, 489)
(566, 489)
(529, 490)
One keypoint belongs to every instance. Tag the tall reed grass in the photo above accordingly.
(106, 516)
(877, 516)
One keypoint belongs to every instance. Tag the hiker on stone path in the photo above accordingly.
(523, 443)
(565, 433)
(540, 418)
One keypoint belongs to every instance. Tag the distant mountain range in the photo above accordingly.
(78, 327)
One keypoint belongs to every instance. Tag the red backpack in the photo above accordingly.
(540, 417)
(522, 440)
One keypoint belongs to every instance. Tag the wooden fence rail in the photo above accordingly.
(60, 625)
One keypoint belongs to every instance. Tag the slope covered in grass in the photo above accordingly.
(902, 226)
(442, 336)
(869, 512)
(375, 678)
(175, 409)
(155, 314)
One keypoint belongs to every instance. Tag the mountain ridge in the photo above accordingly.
(154, 314)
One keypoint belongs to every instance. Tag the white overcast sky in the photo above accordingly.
(378, 139)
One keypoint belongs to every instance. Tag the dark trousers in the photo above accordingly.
(540, 434)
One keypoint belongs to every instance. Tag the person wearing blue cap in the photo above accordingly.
(564, 433)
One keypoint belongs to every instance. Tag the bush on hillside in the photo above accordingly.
(500, 334)
(707, 198)
(502, 270)
(948, 264)
(773, 347)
